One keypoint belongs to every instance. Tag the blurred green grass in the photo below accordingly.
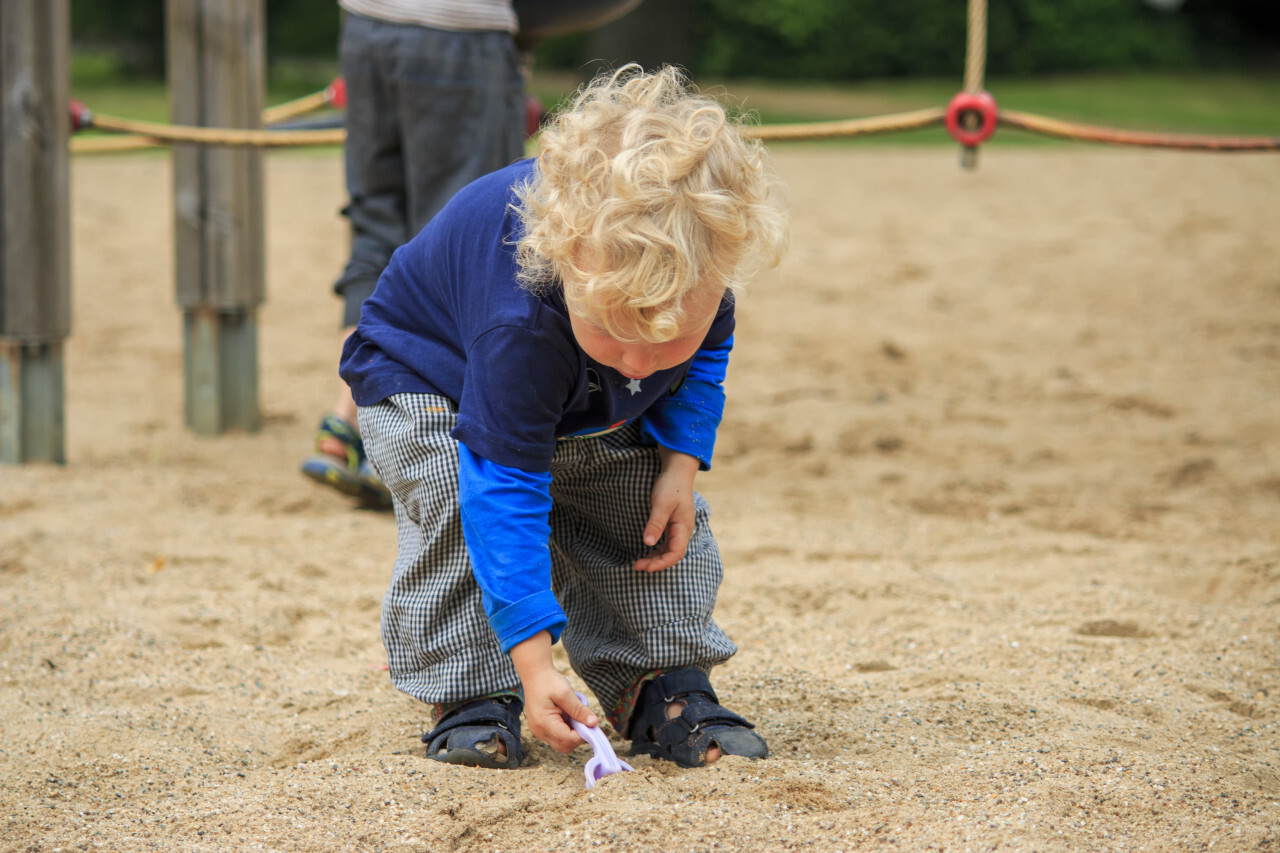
(1220, 104)
(97, 81)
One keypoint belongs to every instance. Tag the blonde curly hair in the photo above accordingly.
(646, 202)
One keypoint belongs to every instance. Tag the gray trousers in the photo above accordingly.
(622, 623)
(428, 111)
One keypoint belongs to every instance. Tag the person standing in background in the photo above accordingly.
(435, 99)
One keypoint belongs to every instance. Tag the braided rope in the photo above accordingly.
(975, 60)
(848, 127)
(139, 134)
(219, 135)
(112, 144)
(150, 135)
(136, 141)
(1113, 136)
(296, 107)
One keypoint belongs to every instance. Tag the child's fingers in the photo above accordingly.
(652, 534)
(554, 729)
(657, 535)
(657, 525)
(574, 707)
(678, 539)
(654, 562)
(555, 733)
(658, 562)
(676, 542)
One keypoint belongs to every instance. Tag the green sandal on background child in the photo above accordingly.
(340, 462)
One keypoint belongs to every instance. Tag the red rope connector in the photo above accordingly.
(534, 113)
(971, 118)
(81, 116)
(336, 93)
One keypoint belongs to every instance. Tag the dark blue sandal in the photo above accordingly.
(352, 475)
(702, 723)
(472, 734)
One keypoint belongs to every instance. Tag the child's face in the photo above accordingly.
(639, 359)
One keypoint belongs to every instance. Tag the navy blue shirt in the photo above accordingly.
(448, 317)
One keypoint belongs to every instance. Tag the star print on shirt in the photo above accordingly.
(634, 387)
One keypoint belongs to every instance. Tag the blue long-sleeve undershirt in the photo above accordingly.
(504, 520)
(505, 510)
(688, 420)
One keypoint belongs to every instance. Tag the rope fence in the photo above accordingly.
(233, 137)
(894, 123)
(1114, 136)
(137, 135)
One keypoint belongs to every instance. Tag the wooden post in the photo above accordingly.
(216, 62)
(35, 228)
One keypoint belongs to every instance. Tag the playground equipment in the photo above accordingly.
(971, 117)
(35, 229)
(216, 71)
(220, 131)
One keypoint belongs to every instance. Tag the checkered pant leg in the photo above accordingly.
(439, 645)
(623, 623)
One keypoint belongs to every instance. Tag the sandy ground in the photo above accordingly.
(998, 489)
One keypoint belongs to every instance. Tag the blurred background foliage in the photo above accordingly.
(812, 40)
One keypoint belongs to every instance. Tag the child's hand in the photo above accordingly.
(548, 696)
(671, 515)
(546, 700)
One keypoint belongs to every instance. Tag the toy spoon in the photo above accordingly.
(605, 762)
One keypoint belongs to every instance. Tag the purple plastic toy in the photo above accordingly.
(605, 763)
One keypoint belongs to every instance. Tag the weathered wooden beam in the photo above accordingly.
(221, 369)
(35, 228)
(32, 395)
(216, 73)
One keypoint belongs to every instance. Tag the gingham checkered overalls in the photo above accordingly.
(621, 623)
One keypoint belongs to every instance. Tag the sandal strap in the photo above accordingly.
(490, 711)
(334, 427)
(700, 715)
(681, 682)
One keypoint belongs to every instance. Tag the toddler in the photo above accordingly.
(540, 376)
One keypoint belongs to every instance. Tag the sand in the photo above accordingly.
(998, 489)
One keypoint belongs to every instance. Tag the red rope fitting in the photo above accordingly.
(336, 93)
(81, 116)
(534, 113)
(963, 106)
